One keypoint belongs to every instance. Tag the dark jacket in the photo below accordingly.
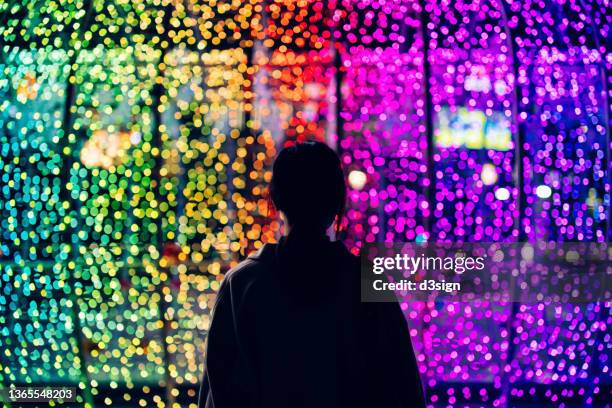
(289, 330)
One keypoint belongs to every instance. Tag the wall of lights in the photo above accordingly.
(136, 144)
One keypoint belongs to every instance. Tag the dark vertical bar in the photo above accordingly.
(340, 231)
(157, 93)
(595, 362)
(431, 190)
(250, 54)
(247, 125)
(424, 18)
(606, 113)
(519, 131)
(520, 200)
(231, 144)
(69, 233)
(338, 91)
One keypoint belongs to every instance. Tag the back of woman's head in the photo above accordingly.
(308, 185)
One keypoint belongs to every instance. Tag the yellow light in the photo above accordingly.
(488, 175)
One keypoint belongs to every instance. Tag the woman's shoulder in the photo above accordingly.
(254, 266)
(262, 263)
(348, 257)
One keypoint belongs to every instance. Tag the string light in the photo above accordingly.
(137, 141)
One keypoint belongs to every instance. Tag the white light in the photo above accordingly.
(90, 157)
(135, 137)
(500, 87)
(488, 175)
(478, 79)
(502, 194)
(357, 179)
(105, 149)
(543, 191)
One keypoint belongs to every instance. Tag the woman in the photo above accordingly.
(288, 327)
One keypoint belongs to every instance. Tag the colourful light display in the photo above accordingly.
(136, 144)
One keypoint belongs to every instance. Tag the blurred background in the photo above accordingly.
(137, 138)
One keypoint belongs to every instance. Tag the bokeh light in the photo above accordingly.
(137, 139)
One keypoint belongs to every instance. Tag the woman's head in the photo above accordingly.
(308, 185)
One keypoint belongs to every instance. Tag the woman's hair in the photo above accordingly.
(308, 185)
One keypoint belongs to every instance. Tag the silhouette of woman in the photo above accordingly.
(288, 328)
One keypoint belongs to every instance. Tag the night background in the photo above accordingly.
(136, 143)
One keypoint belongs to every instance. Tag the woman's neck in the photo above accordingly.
(302, 234)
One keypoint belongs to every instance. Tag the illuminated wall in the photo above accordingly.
(137, 139)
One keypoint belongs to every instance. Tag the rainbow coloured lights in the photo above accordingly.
(137, 139)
